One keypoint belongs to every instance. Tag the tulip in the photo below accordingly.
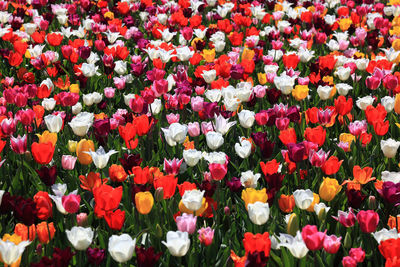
(358, 254)
(331, 244)
(347, 219)
(19, 144)
(206, 235)
(172, 166)
(68, 162)
(53, 123)
(214, 140)
(243, 148)
(71, 202)
(186, 223)
(81, 148)
(82, 219)
(194, 129)
(312, 238)
(45, 232)
(251, 195)
(303, 198)
(95, 255)
(47, 136)
(300, 92)
(295, 245)
(222, 125)
(389, 147)
(144, 202)
(44, 206)
(329, 188)
(80, 237)
(100, 157)
(349, 262)
(42, 153)
(249, 179)
(192, 199)
(192, 157)
(390, 192)
(258, 212)
(368, 220)
(178, 243)
(11, 252)
(385, 234)
(246, 118)
(286, 203)
(81, 123)
(218, 171)
(121, 247)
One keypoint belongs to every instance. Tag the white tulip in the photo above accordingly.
(258, 212)
(81, 123)
(10, 252)
(100, 157)
(53, 123)
(249, 179)
(178, 243)
(246, 118)
(214, 140)
(80, 237)
(389, 147)
(121, 247)
(193, 199)
(303, 198)
(192, 157)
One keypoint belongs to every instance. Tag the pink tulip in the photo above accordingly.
(368, 220)
(172, 166)
(206, 127)
(8, 126)
(193, 129)
(160, 87)
(71, 203)
(109, 92)
(172, 118)
(19, 144)
(206, 235)
(349, 262)
(68, 162)
(372, 82)
(186, 223)
(358, 254)
(197, 103)
(347, 219)
(218, 171)
(313, 239)
(332, 244)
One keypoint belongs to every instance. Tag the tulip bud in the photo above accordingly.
(28, 156)
(322, 214)
(82, 219)
(293, 224)
(159, 232)
(347, 241)
(159, 194)
(227, 210)
(372, 205)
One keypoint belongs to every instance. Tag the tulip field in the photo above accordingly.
(239, 133)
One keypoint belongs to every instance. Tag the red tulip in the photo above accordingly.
(42, 153)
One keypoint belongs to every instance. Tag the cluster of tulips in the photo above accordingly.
(199, 133)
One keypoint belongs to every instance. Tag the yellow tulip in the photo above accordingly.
(251, 195)
(72, 146)
(329, 189)
(300, 92)
(262, 78)
(82, 147)
(47, 136)
(344, 24)
(346, 138)
(144, 202)
(208, 55)
(248, 54)
(74, 88)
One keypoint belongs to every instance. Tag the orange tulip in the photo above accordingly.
(42, 153)
(45, 232)
(144, 202)
(82, 147)
(22, 230)
(362, 176)
(46, 136)
(286, 203)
